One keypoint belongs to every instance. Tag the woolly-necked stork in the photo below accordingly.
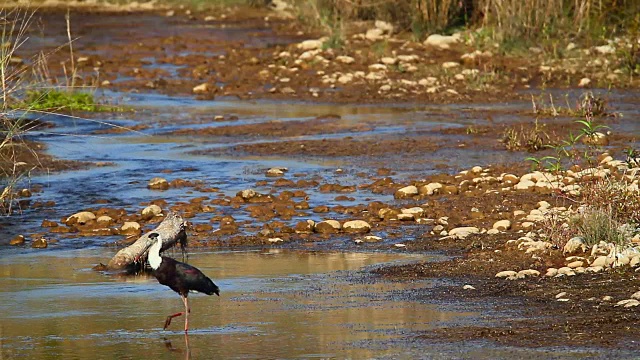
(180, 277)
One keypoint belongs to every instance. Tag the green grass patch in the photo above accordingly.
(58, 100)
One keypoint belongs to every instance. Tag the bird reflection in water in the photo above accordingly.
(186, 351)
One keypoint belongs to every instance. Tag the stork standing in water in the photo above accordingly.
(180, 277)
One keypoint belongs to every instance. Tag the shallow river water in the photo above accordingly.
(274, 303)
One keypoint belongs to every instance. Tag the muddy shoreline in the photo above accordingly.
(184, 52)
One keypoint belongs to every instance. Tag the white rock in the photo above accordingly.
(561, 295)
(276, 171)
(605, 49)
(310, 45)
(575, 264)
(416, 211)
(468, 287)
(408, 58)
(358, 226)
(82, 217)
(407, 191)
(389, 60)
(450, 65)
(507, 274)
(600, 261)
(528, 272)
(345, 59)
(566, 271)
(524, 185)
(636, 295)
(372, 238)
(584, 82)
(275, 240)
(551, 272)
(308, 55)
(573, 245)
(628, 303)
(152, 210)
(130, 225)
(400, 245)
(430, 81)
(374, 34)
(104, 219)
(442, 41)
(502, 225)
(406, 217)
(384, 88)
(384, 26)
(463, 232)
(202, 88)
(431, 188)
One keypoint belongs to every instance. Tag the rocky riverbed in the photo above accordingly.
(440, 179)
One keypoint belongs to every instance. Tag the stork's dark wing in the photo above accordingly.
(195, 280)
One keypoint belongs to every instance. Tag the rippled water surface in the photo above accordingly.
(272, 305)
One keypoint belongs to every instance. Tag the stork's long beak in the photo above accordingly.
(146, 247)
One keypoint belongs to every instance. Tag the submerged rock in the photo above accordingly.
(158, 183)
(17, 240)
(40, 243)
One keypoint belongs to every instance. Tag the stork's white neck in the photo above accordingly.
(154, 254)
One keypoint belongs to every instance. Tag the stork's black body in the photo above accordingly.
(184, 278)
(180, 277)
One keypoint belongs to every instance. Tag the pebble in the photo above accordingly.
(502, 225)
(41, 243)
(607, 298)
(566, 271)
(104, 219)
(152, 211)
(463, 232)
(430, 188)
(310, 45)
(130, 227)
(82, 217)
(17, 240)
(575, 264)
(551, 272)
(561, 295)
(275, 240)
(636, 295)
(628, 303)
(158, 183)
(406, 192)
(442, 41)
(573, 245)
(528, 272)
(356, 226)
(507, 274)
(327, 227)
(468, 287)
(274, 172)
(415, 211)
(202, 88)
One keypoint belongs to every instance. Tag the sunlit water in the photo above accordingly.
(272, 305)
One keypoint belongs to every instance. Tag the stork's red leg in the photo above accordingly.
(168, 321)
(186, 312)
